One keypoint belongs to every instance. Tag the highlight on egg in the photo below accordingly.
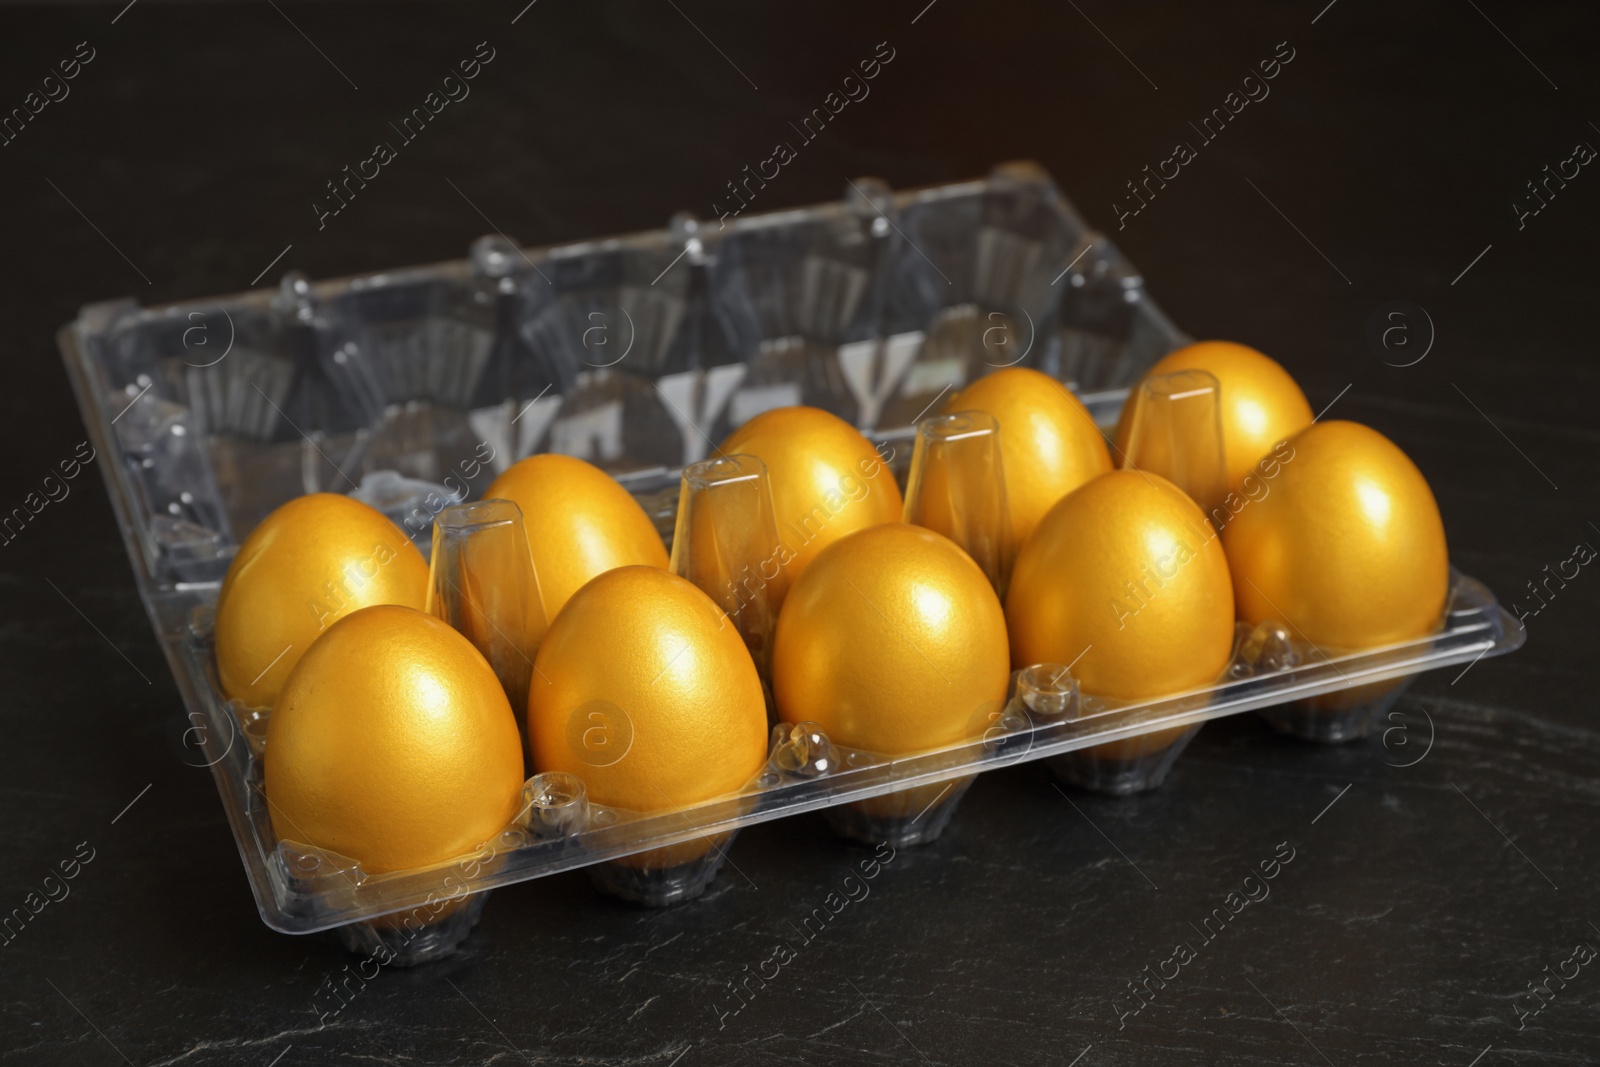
(1348, 548)
(1049, 442)
(891, 642)
(1126, 582)
(827, 479)
(1261, 402)
(1125, 579)
(392, 743)
(894, 642)
(643, 689)
(308, 564)
(580, 523)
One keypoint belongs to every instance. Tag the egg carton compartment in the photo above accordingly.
(412, 389)
(1111, 746)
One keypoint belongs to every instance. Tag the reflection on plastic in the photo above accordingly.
(1177, 433)
(1265, 649)
(908, 817)
(727, 543)
(1135, 764)
(482, 582)
(802, 750)
(1049, 692)
(422, 935)
(555, 805)
(957, 488)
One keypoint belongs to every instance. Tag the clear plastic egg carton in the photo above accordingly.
(412, 389)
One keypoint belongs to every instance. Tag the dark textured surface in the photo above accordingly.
(1415, 910)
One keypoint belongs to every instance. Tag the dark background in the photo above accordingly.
(1417, 908)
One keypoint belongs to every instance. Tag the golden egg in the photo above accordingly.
(1261, 404)
(1049, 443)
(392, 743)
(1125, 580)
(307, 565)
(827, 479)
(1346, 547)
(580, 523)
(644, 689)
(893, 641)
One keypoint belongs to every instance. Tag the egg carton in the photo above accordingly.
(411, 389)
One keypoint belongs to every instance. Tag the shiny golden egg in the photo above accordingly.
(1049, 443)
(827, 480)
(1347, 546)
(644, 689)
(1261, 404)
(580, 523)
(1125, 580)
(392, 743)
(893, 641)
(307, 565)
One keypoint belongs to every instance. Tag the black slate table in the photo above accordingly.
(1438, 868)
